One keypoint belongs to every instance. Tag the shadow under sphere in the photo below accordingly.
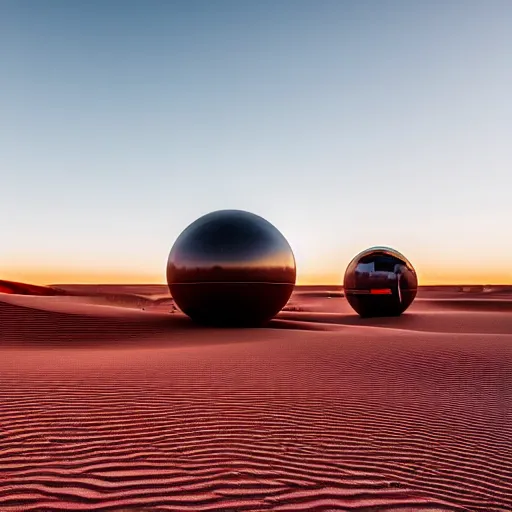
(380, 282)
(231, 268)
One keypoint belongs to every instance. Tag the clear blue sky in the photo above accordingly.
(344, 123)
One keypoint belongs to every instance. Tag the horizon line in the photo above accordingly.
(301, 285)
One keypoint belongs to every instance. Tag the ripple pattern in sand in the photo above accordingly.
(355, 419)
(309, 422)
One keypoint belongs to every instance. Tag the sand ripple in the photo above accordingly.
(94, 415)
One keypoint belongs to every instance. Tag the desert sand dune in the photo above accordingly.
(148, 290)
(125, 406)
(29, 289)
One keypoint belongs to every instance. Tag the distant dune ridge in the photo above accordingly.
(28, 289)
(108, 401)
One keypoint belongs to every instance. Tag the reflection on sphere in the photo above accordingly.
(231, 267)
(380, 282)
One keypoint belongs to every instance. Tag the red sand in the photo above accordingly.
(108, 406)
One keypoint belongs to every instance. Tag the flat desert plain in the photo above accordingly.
(111, 400)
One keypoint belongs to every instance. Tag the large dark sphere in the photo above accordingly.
(380, 282)
(231, 267)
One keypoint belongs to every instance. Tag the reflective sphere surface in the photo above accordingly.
(231, 267)
(380, 282)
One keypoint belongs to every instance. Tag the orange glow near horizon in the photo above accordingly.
(61, 276)
(49, 277)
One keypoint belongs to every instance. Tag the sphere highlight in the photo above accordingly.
(380, 282)
(231, 267)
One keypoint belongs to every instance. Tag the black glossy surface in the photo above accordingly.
(380, 282)
(231, 267)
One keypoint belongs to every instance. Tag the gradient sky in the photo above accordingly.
(346, 124)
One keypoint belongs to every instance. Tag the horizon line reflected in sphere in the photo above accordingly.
(231, 268)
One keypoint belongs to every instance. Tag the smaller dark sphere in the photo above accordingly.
(231, 268)
(380, 282)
